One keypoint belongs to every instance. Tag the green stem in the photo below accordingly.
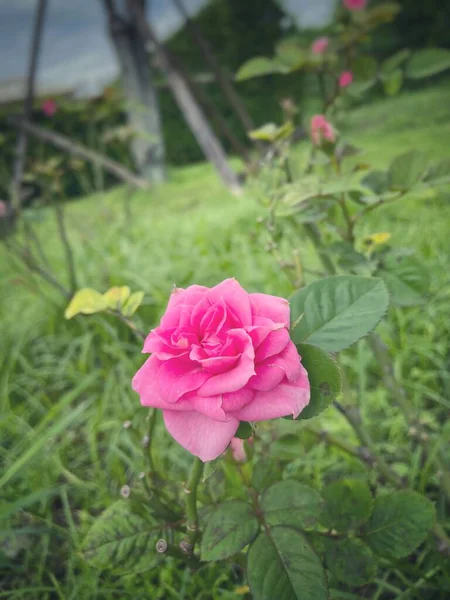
(398, 392)
(353, 417)
(151, 427)
(192, 531)
(313, 233)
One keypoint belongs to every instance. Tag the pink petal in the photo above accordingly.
(210, 407)
(238, 450)
(268, 375)
(272, 307)
(215, 364)
(145, 383)
(179, 303)
(236, 378)
(285, 399)
(274, 343)
(236, 299)
(179, 376)
(290, 361)
(236, 400)
(200, 435)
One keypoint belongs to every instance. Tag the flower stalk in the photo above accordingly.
(190, 489)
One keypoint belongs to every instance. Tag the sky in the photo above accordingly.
(76, 51)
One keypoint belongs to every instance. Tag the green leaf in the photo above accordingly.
(348, 504)
(244, 430)
(283, 566)
(427, 62)
(401, 287)
(377, 181)
(116, 297)
(291, 503)
(121, 540)
(438, 172)
(132, 304)
(399, 523)
(336, 312)
(264, 474)
(350, 560)
(395, 61)
(406, 170)
(231, 526)
(324, 379)
(86, 301)
(271, 132)
(259, 66)
(290, 53)
(392, 82)
(364, 69)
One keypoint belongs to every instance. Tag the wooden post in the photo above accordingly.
(222, 77)
(189, 107)
(142, 100)
(21, 146)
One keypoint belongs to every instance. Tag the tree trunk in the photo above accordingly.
(221, 76)
(191, 110)
(21, 147)
(142, 101)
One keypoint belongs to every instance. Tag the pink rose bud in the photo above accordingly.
(320, 45)
(355, 5)
(322, 130)
(238, 450)
(345, 79)
(3, 209)
(49, 107)
(218, 357)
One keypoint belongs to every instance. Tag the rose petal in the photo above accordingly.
(274, 343)
(145, 383)
(285, 399)
(179, 301)
(200, 435)
(236, 299)
(268, 375)
(179, 376)
(274, 308)
(237, 400)
(236, 378)
(210, 407)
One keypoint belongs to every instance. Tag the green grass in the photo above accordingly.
(65, 385)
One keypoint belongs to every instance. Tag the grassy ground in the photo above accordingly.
(65, 385)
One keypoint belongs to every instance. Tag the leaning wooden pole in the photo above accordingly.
(221, 76)
(189, 107)
(22, 140)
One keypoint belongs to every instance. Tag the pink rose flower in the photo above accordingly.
(218, 357)
(355, 5)
(49, 107)
(345, 79)
(322, 130)
(320, 45)
(238, 449)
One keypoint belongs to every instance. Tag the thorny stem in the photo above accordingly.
(313, 233)
(398, 392)
(192, 532)
(151, 427)
(138, 332)
(353, 417)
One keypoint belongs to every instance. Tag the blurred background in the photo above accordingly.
(126, 159)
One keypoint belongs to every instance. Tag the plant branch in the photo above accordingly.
(67, 247)
(192, 531)
(313, 234)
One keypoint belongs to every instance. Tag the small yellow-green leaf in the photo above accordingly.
(132, 304)
(116, 297)
(86, 301)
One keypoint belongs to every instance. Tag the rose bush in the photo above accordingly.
(218, 357)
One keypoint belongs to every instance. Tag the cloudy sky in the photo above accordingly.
(76, 50)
